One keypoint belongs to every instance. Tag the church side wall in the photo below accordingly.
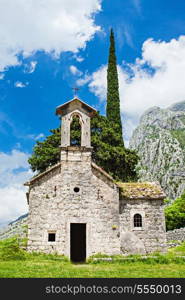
(153, 232)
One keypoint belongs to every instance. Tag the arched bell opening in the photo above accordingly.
(75, 131)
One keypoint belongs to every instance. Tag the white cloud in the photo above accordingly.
(163, 86)
(52, 26)
(137, 5)
(12, 203)
(74, 70)
(78, 58)
(155, 79)
(31, 67)
(83, 81)
(125, 34)
(14, 160)
(98, 84)
(39, 136)
(14, 171)
(20, 84)
(34, 136)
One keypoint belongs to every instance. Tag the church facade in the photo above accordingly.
(78, 210)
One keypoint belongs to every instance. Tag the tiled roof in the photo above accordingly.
(141, 190)
(60, 108)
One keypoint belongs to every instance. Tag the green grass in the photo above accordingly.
(50, 269)
(16, 263)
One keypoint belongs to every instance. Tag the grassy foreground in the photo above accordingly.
(17, 263)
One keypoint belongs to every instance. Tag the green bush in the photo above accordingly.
(175, 214)
(14, 249)
(10, 249)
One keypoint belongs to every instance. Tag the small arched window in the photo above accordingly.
(75, 131)
(137, 220)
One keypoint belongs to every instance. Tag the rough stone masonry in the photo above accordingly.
(77, 209)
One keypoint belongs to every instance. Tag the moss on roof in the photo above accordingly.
(141, 190)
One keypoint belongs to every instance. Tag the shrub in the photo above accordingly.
(175, 214)
(10, 249)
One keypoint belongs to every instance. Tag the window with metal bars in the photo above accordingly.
(137, 220)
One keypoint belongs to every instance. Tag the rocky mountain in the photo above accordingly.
(160, 142)
(17, 227)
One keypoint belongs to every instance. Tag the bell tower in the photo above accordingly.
(78, 110)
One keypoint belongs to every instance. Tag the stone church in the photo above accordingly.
(77, 209)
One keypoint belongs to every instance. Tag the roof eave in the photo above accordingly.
(95, 166)
(58, 109)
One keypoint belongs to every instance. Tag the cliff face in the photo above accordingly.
(160, 142)
(15, 228)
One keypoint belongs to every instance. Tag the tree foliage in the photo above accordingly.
(47, 152)
(175, 213)
(113, 101)
(108, 152)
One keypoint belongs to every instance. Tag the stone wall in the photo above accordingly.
(54, 205)
(152, 235)
(176, 235)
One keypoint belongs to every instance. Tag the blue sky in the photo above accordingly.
(48, 47)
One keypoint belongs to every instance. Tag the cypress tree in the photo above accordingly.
(113, 101)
